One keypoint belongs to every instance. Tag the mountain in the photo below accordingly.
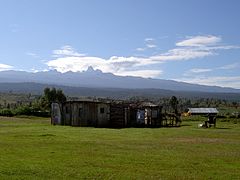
(97, 79)
(113, 93)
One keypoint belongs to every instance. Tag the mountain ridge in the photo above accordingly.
(113, 93)
(97, 79)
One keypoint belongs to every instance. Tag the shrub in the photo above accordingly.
(31, 111)
(23, 110)
(6, 112)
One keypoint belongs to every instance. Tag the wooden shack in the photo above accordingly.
(114, 114)
(83, 113)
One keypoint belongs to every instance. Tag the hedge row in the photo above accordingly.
(24, 110)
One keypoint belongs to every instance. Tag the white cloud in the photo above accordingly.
(182, 54)
(194, 47)
(32, 54)
(38, 70)
(117, 65)
(149, 39)
(140, 49)
(4, 67)
(66, 51)
(199, 70)
(230, 66)
(64, 64)
(198, 41)
(221, 47)
(68, 59)
(223, 81)
(198, 76)
(204, 70)
(151, 45)
(147, 47)
(141, 73)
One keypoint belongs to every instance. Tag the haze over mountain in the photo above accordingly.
(97, 79)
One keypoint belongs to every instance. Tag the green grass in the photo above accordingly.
(30, 148)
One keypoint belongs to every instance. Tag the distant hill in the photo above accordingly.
(115, 93)
(97, 79)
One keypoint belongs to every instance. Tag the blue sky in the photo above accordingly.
(187, 40)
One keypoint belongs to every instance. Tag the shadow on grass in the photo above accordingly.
(45, 135)
(143, 127)
(186, 125)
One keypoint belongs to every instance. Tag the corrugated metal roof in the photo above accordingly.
(148, 104)
(202, 110)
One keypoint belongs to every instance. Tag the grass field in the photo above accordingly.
(30, 148)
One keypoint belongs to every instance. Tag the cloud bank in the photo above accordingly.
(4, 67)
(68, 59)
(223, 81)
(201, 76)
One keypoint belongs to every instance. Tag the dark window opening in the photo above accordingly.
(67, 110)
(102, 110)
(80, 112)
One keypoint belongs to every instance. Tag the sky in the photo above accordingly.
(188, 40)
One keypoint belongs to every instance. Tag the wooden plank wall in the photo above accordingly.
(117, 115)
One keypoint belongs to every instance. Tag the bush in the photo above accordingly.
(6, 112)
(23, 110)
(30, 111)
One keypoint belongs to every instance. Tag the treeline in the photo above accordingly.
(38, 107)
(184, 103)
(41, 105)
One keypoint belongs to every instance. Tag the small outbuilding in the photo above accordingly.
(145, 114)
(202, 111)
(211, 113)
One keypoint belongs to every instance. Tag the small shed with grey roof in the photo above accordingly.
(211, 113)
(202, 111)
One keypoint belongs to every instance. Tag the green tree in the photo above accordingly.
(52, 95)
(174, 104)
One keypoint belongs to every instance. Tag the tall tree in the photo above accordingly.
(52, 95)
(174, 104)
